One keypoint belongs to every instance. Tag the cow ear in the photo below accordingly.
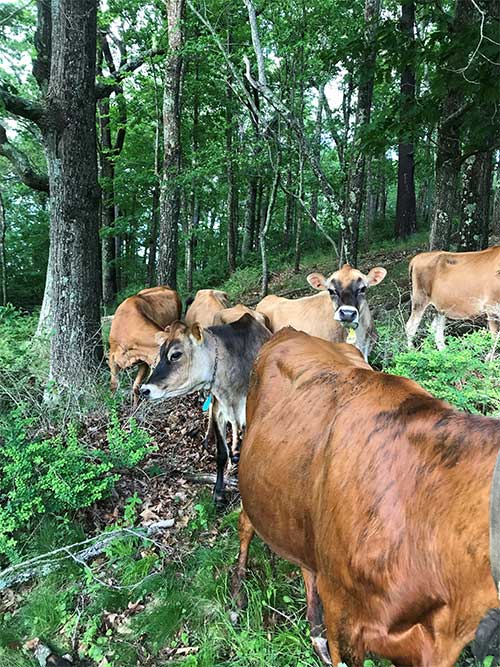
(160, 338)
(197, 333)
(316, 280)
(376, 275)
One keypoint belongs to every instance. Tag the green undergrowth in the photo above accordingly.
(155, 611)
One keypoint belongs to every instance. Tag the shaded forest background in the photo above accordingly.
(181, 141)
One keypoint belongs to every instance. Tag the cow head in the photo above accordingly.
(347, 289)
(184, 364)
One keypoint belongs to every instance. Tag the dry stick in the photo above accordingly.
(45, 563)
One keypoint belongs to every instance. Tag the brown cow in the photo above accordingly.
(134, 328)
(379, 492)
(206, 303)
(460, 285)
(345, 291)
(234, 313)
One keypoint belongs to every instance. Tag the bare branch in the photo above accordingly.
(22, 165)
(105, 89)
(19, 106)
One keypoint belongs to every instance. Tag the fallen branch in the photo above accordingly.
(210, 479)
(46, 563)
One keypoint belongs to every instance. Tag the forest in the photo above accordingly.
(236, 146)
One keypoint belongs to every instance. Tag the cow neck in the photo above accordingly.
(216, 363)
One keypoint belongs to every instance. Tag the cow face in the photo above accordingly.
(183, 365)
(347, 289)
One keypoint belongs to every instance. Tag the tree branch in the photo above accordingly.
(19, 106)
(22, 165)
(105, 89)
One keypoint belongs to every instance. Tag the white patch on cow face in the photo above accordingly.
(348, 316)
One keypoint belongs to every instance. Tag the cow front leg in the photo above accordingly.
(210, 427)
(315, 617)
(141, 374)
(245, 532)
(222, 456)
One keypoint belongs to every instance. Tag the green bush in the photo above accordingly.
(41, 475)
(459, 374)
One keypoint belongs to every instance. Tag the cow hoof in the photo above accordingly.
(320, 645)
(219, 501)
(235, 458)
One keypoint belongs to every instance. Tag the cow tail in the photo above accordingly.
(487, 640)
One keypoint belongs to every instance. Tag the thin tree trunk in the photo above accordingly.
(298, 224)
(70, 138)
(250, 214)
(406, 220)
(3, 263)
(317, 146)
(496, 200)
(475, 204)
(448, 142)
(355, 192)
(155, 203)
(170, 192)
(232, 200)
(264, 230)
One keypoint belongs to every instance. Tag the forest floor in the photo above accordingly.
(166, 602)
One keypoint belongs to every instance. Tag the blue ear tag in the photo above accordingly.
(207, 402)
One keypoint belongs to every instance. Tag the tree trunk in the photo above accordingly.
(355, 191)
(496, 201)
(170, 192)
(298, 224)
(232, 194)
(371, 198)
(250, 215)
(448, 143)
(317, 147)
(263, 233)
(406, 220)
(3, 263)
(475, 204)
(70, 138)
(108, 248)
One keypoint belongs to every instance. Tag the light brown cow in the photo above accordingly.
(206, 303)
(345, 291)
(460, 285)
(134, 329)
(379, 492)
(234, 313)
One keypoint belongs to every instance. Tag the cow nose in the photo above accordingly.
(347, 314)
(144, 392)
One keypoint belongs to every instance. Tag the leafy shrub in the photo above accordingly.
(459, 374)
(40, 475)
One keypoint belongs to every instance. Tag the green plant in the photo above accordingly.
(57, 474)
(459, 374)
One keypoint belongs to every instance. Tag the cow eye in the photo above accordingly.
(175, 356)
(362, 290)
(332, 292)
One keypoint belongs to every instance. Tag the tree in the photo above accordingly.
(169, 192)
(406, 222)
(475, 201)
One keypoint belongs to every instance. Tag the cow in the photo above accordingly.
(134, 327)
(345, 291)
(228, 315)
(206, 303)
(379, 492)
(460, 285)
(217, 359)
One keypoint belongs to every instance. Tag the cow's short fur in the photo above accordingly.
(460, 285)
(228, 315)
(345, 291)
(204, 306)
(218, 358)
(379, 492)
(134, 328)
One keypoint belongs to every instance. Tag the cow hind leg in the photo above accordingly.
(315, 617)
(438, 325)
(245, 532)
(113, 367)
(418, 309)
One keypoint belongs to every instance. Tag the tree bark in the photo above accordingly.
(355, 191)
(263, 232)
(232, 192)
(250, 215)
(406, 220)
(475, 201)
(448, 143)
(317, 146)
(170, 192)
(70, 139)
(496, 201)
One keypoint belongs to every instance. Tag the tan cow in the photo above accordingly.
(460, 285)
(234, 313)
(134, 329)
(344, 290)
(205, 304)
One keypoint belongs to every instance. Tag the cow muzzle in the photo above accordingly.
(151, 392)
(348, 316)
